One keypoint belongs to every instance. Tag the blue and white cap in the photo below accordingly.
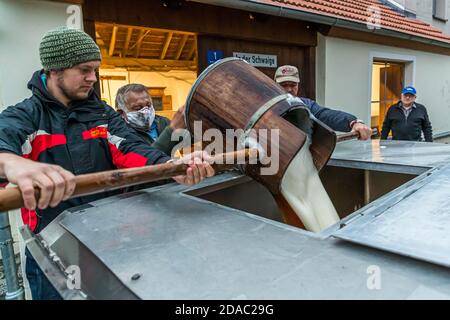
(409, 90)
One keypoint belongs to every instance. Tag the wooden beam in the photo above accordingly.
(137, 27)
(127, 42)
(166, 45)
(99, 39)
(181, 46)
(111, 62)
(104, 52)
(193, 49)
(112, 44)
(138, 43)
(206, 19)
(122, 78)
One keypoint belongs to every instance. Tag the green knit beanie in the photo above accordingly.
(63, 48)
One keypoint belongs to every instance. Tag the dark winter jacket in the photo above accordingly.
(335, 119)
(161, 124)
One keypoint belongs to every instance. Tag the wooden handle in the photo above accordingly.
(11, 198)
(352, 135)
(347, 136)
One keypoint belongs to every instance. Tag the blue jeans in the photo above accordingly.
(41, 288)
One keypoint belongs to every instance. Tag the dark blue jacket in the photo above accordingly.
(85, 137)
(335, 119)
(410, 128)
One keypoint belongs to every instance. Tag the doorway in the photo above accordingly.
(387, 82)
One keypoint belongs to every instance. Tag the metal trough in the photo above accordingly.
(223, 238)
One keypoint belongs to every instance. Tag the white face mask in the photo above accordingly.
(142, 120)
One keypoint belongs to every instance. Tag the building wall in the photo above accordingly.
(423, 9)
(22, 25)
(321, 56)
(344, 74)
(424, 12)
(250, 33)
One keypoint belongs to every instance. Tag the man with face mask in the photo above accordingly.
(134, 103)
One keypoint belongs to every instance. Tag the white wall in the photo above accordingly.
(177, 83)
(22, 25)
(321, 56)
(346, 73)
(425, 13)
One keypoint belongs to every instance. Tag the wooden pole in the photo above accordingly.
(347, 136)
(86, 184)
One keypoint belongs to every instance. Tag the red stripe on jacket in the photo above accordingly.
(120, 160)
(128, 160)
(29, 217)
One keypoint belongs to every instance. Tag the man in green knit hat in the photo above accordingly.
(63, 130)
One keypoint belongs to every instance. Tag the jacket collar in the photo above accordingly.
(400, 105)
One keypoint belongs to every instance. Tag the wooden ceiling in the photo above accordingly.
(146, 49)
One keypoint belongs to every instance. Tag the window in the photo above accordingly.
(440, 9)
(161, 102)
(407, 8)
(400, 5)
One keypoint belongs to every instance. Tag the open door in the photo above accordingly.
(387, 85)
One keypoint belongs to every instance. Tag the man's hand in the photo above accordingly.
(177, 121)
(199, 168)
(55, 183)
(364, 131)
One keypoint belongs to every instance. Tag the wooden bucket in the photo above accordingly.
(231, 94)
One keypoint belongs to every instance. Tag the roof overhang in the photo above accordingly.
(282, 11)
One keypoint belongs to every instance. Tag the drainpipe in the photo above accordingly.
(14, 290)
(279, 11)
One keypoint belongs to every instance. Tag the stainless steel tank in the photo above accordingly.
(223, 238)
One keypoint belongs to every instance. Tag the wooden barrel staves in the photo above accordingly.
(231, 94)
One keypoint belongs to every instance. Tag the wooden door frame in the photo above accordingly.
(383, 104)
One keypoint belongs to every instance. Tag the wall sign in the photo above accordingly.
(214, 55)
(258, 60)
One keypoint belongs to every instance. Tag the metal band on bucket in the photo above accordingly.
(263, 109)
(255, 118)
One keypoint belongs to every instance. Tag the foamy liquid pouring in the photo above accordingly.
(303, 190)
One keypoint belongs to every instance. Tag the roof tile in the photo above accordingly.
(359, 11)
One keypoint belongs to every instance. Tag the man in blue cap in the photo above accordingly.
(407, 119)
